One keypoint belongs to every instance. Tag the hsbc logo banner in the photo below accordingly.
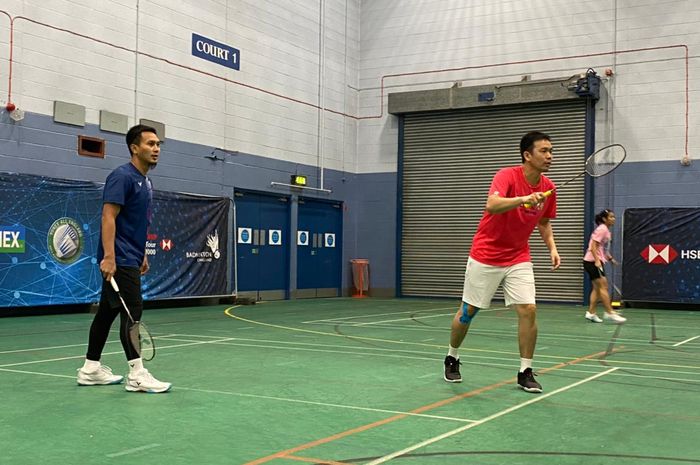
(661, 249)
(659, 254)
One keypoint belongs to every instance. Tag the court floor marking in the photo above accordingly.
(275, 398)
(327, 404)
(71, 357)
(403, 312)
(494, 416)
(369, 315)
(687, 340)
(412, 343)
(133, 450)
(219, 340)
(440, 403)
(581, 367)
(474, 331)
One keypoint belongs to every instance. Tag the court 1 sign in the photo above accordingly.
(216, 52)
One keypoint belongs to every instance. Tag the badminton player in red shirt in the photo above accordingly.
(500, 253)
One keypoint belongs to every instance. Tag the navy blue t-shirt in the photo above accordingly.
(127, 187)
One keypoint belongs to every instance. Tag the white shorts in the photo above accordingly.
(481, 282)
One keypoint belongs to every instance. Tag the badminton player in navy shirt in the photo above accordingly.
(121, 253)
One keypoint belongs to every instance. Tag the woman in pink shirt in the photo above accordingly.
(594, 263)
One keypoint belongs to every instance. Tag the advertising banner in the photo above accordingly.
(50, 228)
(187, 246)
(661, 250)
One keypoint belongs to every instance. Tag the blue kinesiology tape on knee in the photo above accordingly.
(466, 318)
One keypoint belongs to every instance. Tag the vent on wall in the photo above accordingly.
(91, 147)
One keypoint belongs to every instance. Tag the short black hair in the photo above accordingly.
(529, 139)
(134, 134)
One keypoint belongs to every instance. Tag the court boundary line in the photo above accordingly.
(687, 340)
(494, 416)
(440, 403)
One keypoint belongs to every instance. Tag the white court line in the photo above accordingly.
(133, 451)
(427, 442)
(280, 399)
(112, 353)
(687, 340)
(24, 372)
(337, 320)
(369, 315)
(366, 323)
(325, 404)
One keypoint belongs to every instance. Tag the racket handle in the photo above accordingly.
(113, 282)
(546, 194)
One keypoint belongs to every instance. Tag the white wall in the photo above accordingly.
(268, 108)
(644, 103)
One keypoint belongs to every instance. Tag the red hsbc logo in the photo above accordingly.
(166, 244)
(659, 254)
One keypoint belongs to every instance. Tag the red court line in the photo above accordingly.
(286, 453)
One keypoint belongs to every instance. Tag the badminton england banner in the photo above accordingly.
(50, 228)
(49, 231)
(187, 246)
(661, 251)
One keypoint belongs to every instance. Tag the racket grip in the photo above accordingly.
(545, 193)
(113, 282)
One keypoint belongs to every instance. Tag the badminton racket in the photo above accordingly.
(599, 163)
(139, 335)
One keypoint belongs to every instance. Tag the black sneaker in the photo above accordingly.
(452, 370)
(526, 380)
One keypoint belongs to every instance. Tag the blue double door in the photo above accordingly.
(319, 248)
(263, 243)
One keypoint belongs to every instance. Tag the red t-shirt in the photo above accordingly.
(502, 239)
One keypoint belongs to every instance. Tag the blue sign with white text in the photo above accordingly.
(216, 52)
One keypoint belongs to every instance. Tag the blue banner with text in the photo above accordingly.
(50, 228)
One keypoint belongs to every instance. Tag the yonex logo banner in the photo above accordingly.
(12, 239)
(659, 254)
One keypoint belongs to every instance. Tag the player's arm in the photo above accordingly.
(545, 228)
(594, 250)
(496, 204)
(145, 265)
(108, 265)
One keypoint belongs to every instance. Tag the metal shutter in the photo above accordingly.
(448, 162)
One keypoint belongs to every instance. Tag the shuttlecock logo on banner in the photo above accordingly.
(65, 240)
(213, 243)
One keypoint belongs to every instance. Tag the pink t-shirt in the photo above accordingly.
(602, 236)
(502, 239)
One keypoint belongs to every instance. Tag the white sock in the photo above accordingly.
(135, 365)
(453, 352)
(525, 363)
(91, 365)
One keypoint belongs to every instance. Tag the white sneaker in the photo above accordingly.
(103, 375)
(592, 317)
(144, 381)
(614, 318)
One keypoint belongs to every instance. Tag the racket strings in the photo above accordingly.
(605, 160)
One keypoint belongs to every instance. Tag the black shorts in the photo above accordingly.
(593, 271)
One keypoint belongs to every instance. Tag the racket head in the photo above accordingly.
(142, 340)
(605, 160)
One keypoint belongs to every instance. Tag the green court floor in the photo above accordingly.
(357, 381)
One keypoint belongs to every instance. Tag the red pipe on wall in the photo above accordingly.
(383, 78)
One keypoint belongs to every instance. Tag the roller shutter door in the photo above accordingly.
(448, 161)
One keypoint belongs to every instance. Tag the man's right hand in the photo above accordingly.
(108, 267)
